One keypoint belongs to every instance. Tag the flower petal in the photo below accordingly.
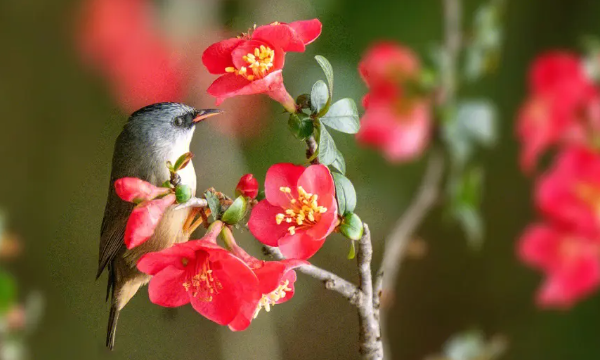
(307, 30)
(217, 57)
(279, 35)
(137, 190)
(326, 223)
(166, 288)
(282, 175)
(154, 262)
(144, 219)
(262, 223)
(299, 246)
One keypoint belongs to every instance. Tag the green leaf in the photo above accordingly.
(328, 70)
(472, 224)
(183, 193)
(301, 125)
(214, 204)
(166, 184)
(345, 194)
(339, 163)
(8, 291)
(183, 161)
(319, 98)
(327, 149)
(236, 212)
(352, 226)
(303, 101)
(342, 116)
(465, 192)
(352, 253)
(477, 120)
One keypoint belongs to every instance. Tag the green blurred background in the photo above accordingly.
(59, 123)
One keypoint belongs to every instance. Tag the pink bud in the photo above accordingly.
(248, 186)
(136, 190)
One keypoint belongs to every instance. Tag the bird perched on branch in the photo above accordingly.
(152, 136)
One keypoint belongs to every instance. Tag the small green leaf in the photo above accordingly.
(342, 116)
(465, 197)
(166, 184)
(183, 161)
(183, 193)
(236, 212)
(327, 149)
(328, 70)
(319, 98)
(345, 194)
(8, 291)
(477, 119)
(214, 204)
(300, 125)
(351, 226)
(339, 163)
(352, 253)
(261, 195)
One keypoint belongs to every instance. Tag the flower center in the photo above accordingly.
(272, 298)
(304, 211)
(203, 285)
(259, 64)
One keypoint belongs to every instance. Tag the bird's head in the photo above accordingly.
(166, 124)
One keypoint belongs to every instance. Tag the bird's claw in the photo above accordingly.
(193, 203)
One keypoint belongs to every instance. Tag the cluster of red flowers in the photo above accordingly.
(398, 117)
(562, 110)
(229, 286)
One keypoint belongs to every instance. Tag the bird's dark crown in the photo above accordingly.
(164, 108)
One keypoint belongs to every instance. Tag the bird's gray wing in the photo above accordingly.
(115, 218)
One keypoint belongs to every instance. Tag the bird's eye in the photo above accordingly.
(178, 121)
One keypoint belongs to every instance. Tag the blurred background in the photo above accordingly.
(63, 107)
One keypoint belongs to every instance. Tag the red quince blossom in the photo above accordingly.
(136, 190)
(563, 106)
(120, 39)
(247, 186)
(395, 121)
(299, 211)
(147, 214)
(570, 192)
(216, 283)
(570, 261)
(252, 63)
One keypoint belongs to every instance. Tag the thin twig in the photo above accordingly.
(369, 336)
(331, 281)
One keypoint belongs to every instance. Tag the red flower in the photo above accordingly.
(396, 121)
(143, 220)
(120, 39)
(386, 63)
(563, 106)
(252, 63)
(299, 211)
(570, 192)
(214, 281)
(569, 260)
(247, 186)
(136, 190)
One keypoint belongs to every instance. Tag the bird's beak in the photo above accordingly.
(206, 113)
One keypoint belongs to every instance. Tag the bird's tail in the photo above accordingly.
(112, 326)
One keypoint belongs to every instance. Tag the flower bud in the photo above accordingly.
(236, 212)
(248, 186)
(351, 226)
(183, 193)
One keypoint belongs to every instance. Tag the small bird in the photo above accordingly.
(152, 136)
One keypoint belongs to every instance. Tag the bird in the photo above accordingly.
(152, 136)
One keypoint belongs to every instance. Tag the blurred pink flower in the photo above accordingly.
(563, 106)
(395, 121)
(119, 38)
(570, 261)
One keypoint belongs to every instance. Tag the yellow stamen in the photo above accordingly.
(304, 211)
(260, 61)
(203, 285)
(272, 298)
